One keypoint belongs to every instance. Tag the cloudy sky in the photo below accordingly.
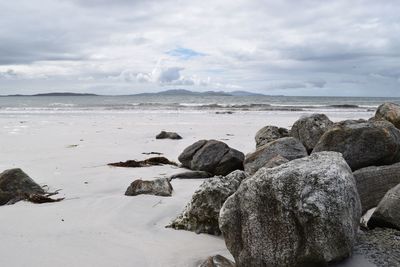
(303, 47)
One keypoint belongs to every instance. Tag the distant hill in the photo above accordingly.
(173, 92)
(57, 94)
(178, 92)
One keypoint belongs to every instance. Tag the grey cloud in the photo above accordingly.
(320, 48)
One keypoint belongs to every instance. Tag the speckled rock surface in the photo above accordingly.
(201, 213)
(268, 134)
(363, 144)
(287, 147)
(303, 213)
(309, 129)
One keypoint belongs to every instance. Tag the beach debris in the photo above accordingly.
(217, 261)
(288, 147)
(72, 146)
(152, 153)
(303, 213)
(16, 185)
(268, 134)
(389, 112)
(309, 129)
(158, 187)
(212, 156)
(191, 175)
(154, 161)
(363, 144)
(224, 112)
(387, 214)
(201, 214)
(374, 182)
(168, 135)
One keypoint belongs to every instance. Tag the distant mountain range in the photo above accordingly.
(173, 92)
(207, 93)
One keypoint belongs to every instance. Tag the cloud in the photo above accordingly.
(262, 47)
(8, 74)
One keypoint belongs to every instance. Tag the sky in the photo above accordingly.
(303, 47)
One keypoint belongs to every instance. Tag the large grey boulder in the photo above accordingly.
(389, 112)
(268, 134)
(303, 213)
(158, 187)
(288, 147)
(387, 214)
(363, 144)
(217, 261)
(374, 182)
(309, 129)
(212, 156)
(201, 213)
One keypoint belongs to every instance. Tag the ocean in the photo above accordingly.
(186, 103)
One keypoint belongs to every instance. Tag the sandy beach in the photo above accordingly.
(96, 225)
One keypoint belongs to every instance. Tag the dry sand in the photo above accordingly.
(96, 225)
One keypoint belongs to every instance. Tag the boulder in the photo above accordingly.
(287, 147)
(374, 182)
(303, 213)
(16, 185)
(275, 162)
(17, 181)
(212, 156)
(191, 175)
(389, 112)
(158, 187)
(363, 144)
(168, 135)
(268, 134)
(201, 213)
(309, 129)
(217, 261)
(387, 214)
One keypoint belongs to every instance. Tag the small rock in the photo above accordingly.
(387, 214)
(389, 112)
(217, 261)
(268, 134)
(168, 135)
(158, 187)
